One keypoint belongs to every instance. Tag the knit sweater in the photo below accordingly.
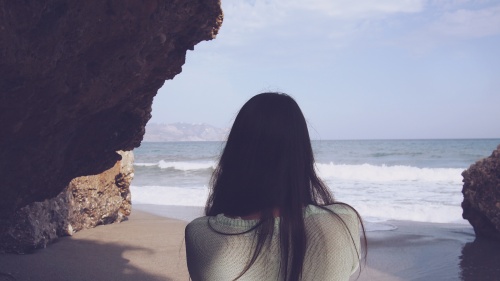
(332, 248)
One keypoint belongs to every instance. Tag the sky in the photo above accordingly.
(359, 69)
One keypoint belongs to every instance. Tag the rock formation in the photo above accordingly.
(86, 202)
(481, 190)
(77, 79)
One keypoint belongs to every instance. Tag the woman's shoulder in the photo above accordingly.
(332, 216)
(337, 208)
(197, 224)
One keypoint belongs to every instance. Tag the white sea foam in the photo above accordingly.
(168, 195)
(145, 164)
(416, 212)
(383, 173)
(377, 192)
(182, 166)
(378, 226)
(398, 192)
(376, 209)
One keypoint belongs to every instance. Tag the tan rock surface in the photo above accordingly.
(86, 202)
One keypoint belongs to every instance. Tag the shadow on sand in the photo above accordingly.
(75, 260)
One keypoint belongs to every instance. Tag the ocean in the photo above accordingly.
(414, 180)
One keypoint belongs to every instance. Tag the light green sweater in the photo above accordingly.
(331, 254)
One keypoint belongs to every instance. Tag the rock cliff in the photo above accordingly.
(481, 190)
(77, 79)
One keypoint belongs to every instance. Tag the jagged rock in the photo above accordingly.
(86, 202)
(77, 79)
(481, 190)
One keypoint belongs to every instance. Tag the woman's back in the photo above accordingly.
(332, 251)
(267, 168)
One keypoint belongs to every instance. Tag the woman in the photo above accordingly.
(268, 215)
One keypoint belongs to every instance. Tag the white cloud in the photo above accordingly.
(450, 5)
(449, 26)
(339, 21)
(465, 24)
(260, 13)
(359, 9)
(287, 28)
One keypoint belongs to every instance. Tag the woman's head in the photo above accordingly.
(267, 162)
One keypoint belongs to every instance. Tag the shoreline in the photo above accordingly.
(150, 246)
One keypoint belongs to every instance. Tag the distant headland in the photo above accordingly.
(156, 132)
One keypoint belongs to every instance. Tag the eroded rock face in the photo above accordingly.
(481, 190)
(77, 79)
(86, 202)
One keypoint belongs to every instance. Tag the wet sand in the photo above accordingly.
(150, 246)
(430, 251)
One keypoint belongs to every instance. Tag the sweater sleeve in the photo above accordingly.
(214, 256)
(333, 244)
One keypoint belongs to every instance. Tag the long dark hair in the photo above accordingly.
(268, 164)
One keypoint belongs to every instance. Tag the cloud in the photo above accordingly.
(260, 13)
(454, 5)
(268, 29)
(449, 25)
(244, 15)
(314, 20)
(465, 24)
(360, 9)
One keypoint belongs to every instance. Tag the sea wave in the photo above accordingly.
(169, 195)
(182, 166)
(388, 154)
(362, 172)
(383, 173)
(373, 207)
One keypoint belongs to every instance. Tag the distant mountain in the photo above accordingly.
(183, 132)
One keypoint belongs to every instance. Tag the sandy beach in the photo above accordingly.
(150, 246)
(146, 247)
